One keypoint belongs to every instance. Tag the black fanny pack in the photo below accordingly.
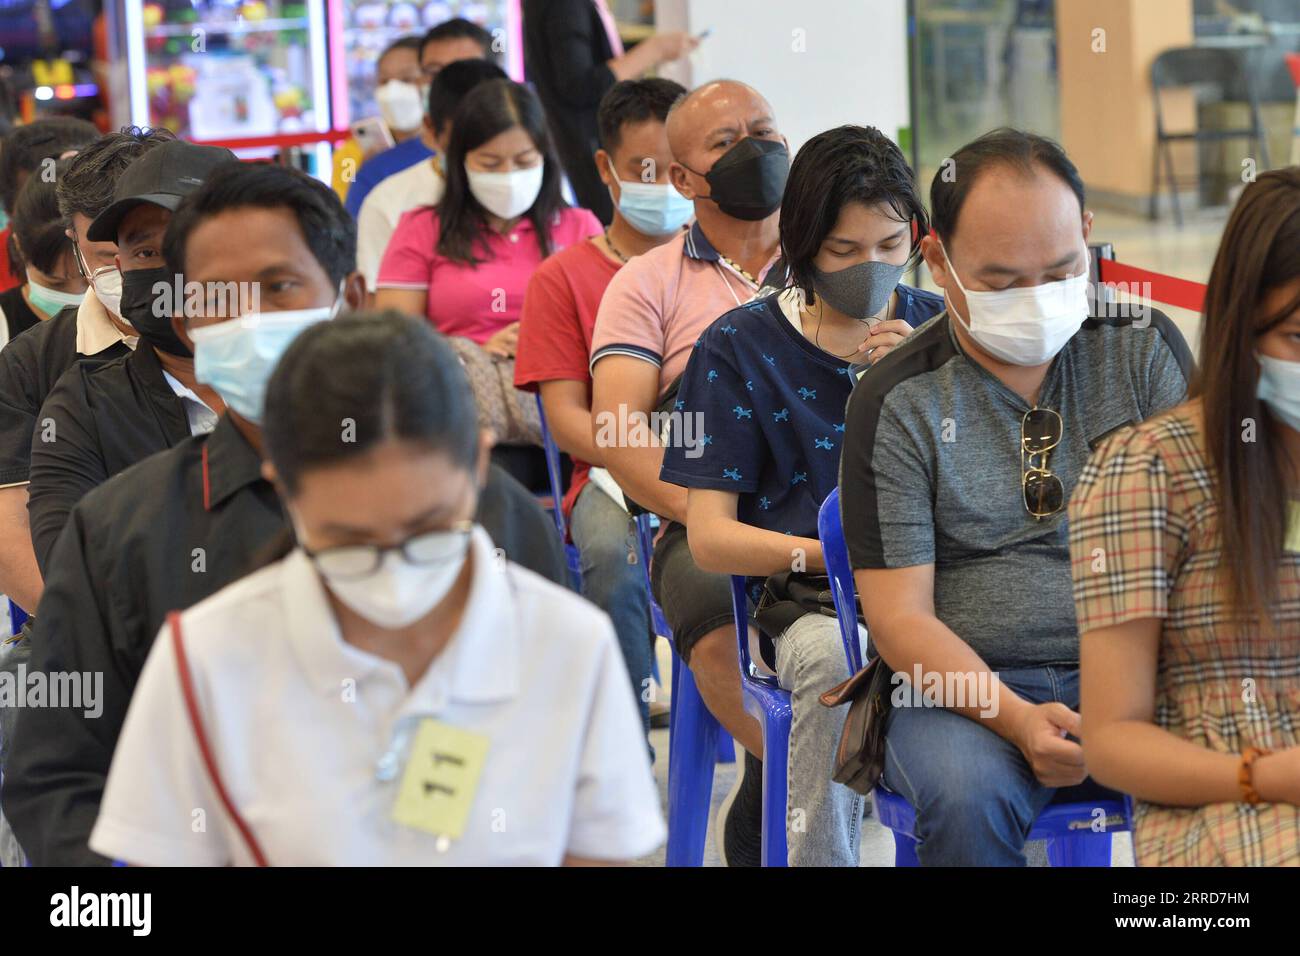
(790, 595)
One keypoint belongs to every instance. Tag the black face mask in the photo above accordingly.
(150, 314)
(747, 182)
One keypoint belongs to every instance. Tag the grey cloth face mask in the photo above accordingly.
(859, 291)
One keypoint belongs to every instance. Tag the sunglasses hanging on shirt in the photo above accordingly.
(1042, 490)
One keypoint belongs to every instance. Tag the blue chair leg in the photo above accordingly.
(692, 748)
(776, 748)
(1083, 848)
(905, 850)
(726, 747)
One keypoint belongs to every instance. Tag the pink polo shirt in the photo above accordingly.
(658, 304)
(473, 301)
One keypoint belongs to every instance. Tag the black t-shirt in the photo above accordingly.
(29, 366)
(105, 417)
(566, 49)
(19, 316)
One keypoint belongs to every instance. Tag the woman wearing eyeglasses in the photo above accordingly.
(391, 692)
(1185, 546)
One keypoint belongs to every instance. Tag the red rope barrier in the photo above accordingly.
(283, 141)
(1171, 290)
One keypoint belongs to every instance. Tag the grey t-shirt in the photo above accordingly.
(931, 474)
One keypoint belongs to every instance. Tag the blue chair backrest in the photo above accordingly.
(553, 472)
(740, 607)
(831, 532)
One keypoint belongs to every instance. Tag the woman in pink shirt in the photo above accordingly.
(466, 262)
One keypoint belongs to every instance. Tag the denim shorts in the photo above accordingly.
(694, 602)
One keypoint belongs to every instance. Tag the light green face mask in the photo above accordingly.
(51, 301)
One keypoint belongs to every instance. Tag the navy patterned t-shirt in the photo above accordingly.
(762, 413)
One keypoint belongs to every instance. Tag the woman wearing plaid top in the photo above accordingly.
(1184, 533)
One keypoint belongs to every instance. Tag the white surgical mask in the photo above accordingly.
(400, 105)
(107, 282)
(1279, 388)
(399, 593)
(1025, 326)
(507, 194)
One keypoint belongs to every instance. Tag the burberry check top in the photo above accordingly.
(1144, 543)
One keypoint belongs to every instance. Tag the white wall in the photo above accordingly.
(820, 63)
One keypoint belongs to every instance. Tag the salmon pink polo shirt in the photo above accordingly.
(480, 300)
(658, 305)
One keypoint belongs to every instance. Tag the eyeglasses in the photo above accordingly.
(1040, 432)
(350, 562)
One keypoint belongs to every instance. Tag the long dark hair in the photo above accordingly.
(839, 166)
(489, 109)
(346, 385)
(1259, 252)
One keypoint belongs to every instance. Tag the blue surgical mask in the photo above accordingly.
(655, 209)
(52, 301)
(236, 358)
(1279, 388)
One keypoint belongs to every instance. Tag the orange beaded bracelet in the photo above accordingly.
(1245, 773)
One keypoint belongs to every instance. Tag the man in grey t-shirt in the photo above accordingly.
(961, 449)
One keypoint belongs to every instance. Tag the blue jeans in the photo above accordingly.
(614, 581)
(975, 795)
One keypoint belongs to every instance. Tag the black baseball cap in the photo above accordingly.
(162, 177)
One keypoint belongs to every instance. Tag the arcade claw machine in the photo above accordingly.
(253, 71)
(361, 29)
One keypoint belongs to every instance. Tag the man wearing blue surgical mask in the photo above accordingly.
(555, 329)
(961, 449)
(185, 522)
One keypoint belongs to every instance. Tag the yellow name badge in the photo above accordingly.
(1292, 527)
(441, 778)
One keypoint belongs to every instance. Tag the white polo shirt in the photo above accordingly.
(418, 185)
(312, 734)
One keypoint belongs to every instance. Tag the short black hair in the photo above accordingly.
(25, 147)
(1005, 146)
(38, 225)
(412, 43)
(330, 233)
(634, 101)
(452, 83)
(87, 186)
(458, 28)
(848, 164)
(393, 375)
(487, 110)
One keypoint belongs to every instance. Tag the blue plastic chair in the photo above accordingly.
(767, 703)
(696, 741)
(17, 617)
(557, 499)
(1067, 827)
